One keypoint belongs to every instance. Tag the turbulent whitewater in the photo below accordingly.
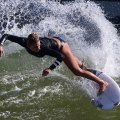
(25, 94)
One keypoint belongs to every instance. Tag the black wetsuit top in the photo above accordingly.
(48, 47)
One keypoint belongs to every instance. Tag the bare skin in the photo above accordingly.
(73, 66)
(1, 50)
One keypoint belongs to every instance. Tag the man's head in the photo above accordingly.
(33, 42)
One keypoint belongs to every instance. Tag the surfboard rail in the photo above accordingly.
(110, 98)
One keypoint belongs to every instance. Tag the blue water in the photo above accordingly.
(24, 93)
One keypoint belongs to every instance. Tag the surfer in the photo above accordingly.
(55, 47)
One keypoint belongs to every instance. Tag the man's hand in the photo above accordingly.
(46, 72)
(1, 50)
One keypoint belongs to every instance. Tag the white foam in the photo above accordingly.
(78, 22)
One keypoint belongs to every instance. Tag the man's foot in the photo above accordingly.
(103, 88)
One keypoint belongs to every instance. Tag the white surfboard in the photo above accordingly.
(110, 98)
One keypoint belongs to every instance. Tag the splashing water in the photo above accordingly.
(82, 24)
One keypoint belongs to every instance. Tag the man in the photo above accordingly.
(55, 47)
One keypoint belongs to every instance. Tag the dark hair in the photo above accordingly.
(32, 38)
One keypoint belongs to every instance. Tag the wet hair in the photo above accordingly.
(32, 39)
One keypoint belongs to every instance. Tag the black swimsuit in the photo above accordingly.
(48, 47)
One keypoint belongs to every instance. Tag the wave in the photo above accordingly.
(91, 37)
(82, 24)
